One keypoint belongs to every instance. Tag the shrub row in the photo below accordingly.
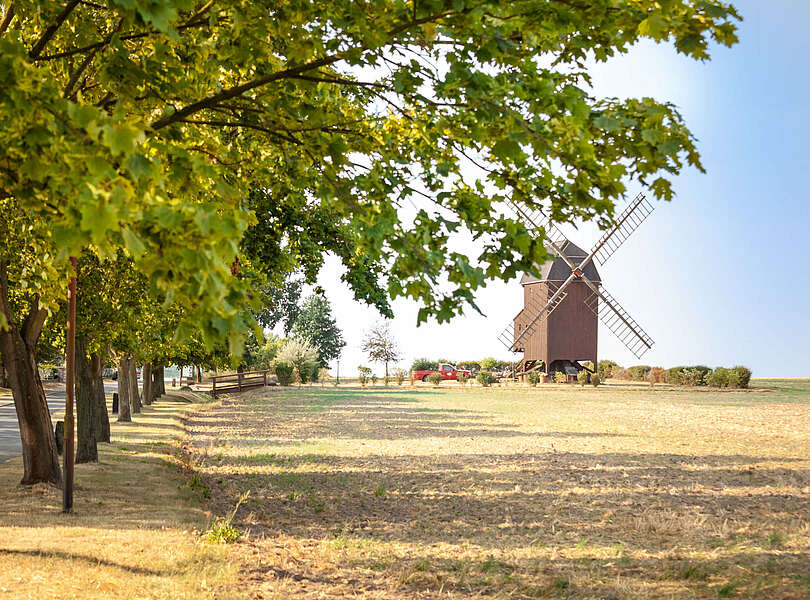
(474, 366)
(696, 375)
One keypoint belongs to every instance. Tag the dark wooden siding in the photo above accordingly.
(569, 333)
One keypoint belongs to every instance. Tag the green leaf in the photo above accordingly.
(507, 149)
(607, 123)
(654, 26)
(98, 219)
(121, 139)
(133, 243)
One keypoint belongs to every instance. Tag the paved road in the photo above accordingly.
(9, 428)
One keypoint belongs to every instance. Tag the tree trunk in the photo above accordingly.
(40, 460)
(147, 383)
(86, 450)
(124, 414)
(158, 384)
(199, 374)
(134, 392)
(102, 427)
(3, 382)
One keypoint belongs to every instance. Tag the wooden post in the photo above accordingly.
(70, 380)
(214, 388)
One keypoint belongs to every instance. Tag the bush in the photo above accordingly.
(424, 364)
(582, 377)
(488, 364)
(656, 375)
(692, 377)
(534, 378)
(435, 378)
(719, 378)
(595, 380)
(473, 366)
(696, 375)
(463, 378)
(607, 369)
(560, 377)
(284, 373)
(739, 377)
(638, 373)
(399, 376)
(364, 373)
(302, 355)
(374, 379)
(485, 378)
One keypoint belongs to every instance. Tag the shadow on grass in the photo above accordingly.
(73, 557)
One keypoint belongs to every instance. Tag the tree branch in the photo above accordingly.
(7, 18)
(51, 30)
(127, 37)
(238, 90)
(5, 310)
(33, 323)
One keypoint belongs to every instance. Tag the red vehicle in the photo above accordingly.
(447, 370)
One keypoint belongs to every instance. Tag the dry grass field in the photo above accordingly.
(555, 492)
(132, 534)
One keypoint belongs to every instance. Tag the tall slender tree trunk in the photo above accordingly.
(199, 374)
(134, 392)
(102, 427)
(124, 414)
(3, 381)
(17, 343)
(86, 449)
(147, 383)
(158, 382)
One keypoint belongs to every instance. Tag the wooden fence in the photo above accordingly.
(238, 382)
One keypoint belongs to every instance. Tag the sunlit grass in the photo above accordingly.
(557, 491)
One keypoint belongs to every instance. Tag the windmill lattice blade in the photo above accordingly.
(534, 219)
(626, 224)
(532, 315)
(620, 323)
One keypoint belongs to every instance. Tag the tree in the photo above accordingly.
(381, 346)
(146, 127)
(315, 324)
(280, 304)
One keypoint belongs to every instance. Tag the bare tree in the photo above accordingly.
(380, 346)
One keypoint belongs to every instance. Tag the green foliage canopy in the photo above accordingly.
(144, 126)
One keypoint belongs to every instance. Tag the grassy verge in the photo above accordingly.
(134, 530)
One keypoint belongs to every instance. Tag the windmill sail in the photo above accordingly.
(620, 323)
(633, 216)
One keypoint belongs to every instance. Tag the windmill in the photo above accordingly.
(558, 325)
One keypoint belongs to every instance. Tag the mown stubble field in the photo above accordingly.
(558, 492)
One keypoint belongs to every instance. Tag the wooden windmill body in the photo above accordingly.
(569, 334)
(558, 327)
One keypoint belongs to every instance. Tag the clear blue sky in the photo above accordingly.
(719, 276)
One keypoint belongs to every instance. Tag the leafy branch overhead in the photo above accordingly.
(146, 126)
